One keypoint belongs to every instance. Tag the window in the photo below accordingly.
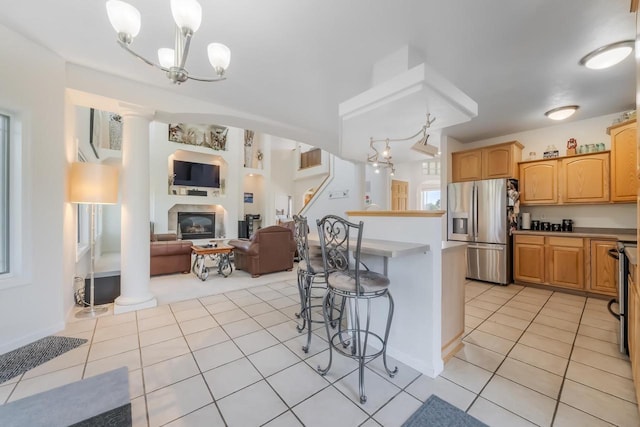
(4, 194)
(430, 199)
(431, 167)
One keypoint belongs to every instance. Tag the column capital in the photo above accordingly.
(128, 110)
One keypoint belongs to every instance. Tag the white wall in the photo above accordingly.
(33, 303)
(282, 183)
(589, 131)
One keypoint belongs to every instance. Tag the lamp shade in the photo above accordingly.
(166, 57)
(124, 18)
(219, 55)
(93, 183)
(187, 14)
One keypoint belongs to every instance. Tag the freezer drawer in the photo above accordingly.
(489, 263)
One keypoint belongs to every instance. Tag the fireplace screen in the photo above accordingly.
(197, 225)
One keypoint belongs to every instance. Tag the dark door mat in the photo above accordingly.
(102, 400)
(436, 412)
(27, 357)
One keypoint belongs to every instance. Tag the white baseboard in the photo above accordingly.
(34, 336)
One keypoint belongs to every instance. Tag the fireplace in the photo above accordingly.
(197, 225)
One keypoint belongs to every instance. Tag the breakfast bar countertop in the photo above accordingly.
(622, 234)
(384, 248)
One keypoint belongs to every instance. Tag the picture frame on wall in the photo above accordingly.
(248, 197)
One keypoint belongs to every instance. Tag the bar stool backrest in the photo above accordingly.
(340, 241)
(301, 236)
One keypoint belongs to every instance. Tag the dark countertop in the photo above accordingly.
(626, 234)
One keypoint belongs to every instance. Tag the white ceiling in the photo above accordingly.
(295, 61)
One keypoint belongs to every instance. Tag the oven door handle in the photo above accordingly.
(613, 253)
(613, 313)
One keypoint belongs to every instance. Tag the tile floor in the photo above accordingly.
(531, 357)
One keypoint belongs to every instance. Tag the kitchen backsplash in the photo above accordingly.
(602, 216)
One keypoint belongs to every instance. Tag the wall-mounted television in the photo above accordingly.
(196, 174)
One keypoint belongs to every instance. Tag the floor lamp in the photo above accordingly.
(93, 184)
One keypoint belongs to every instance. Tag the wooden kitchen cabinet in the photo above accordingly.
(495, 161)
(585, 179)
(565, 259)
(539, 182)
(528, 259)
(624, 184)
(466, 166)
(603, 269)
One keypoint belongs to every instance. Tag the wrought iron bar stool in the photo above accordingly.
(348, 277)
(311, 276)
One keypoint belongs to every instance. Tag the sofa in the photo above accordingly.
(169, 255)
(269, 250)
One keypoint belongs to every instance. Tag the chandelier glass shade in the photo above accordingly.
(187, 14)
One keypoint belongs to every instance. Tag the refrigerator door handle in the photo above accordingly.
(475, 212)
(493, 248)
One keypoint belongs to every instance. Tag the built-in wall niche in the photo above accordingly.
(196, 174)
(208, 136)
(105, 131)
(220, 216)
(253, 194)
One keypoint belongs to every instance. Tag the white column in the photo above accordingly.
(135, 250)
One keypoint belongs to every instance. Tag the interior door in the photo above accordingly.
(399, 195)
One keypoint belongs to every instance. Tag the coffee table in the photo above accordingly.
(218, 253)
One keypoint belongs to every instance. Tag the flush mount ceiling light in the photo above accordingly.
(383, 160)
(187, 15)
(561, 113)
(607, 56)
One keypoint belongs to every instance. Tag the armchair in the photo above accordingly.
(270, 249)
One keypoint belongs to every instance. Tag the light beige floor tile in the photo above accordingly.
(471, 321)
(106, 321)
(561, 314)
(329, 408)
(191, 313)
(480, 313)
(77, 356)
(601, 334)
(559, 348)
(283, 302)
(402, 378)
(604, 347)
(255, 341)
(230, 316)
(275, 359)
(284, 331)
(270, 319)
(595, 378)
(602, 405)
(76, 326)
(265, 405)
(207, 416)
(213, 299)
(169, 372)
(520, 304)
(554, 322)
(563, 307)
(31, 386)
(285, 420)
(219, 307)
(157, 335)
(269, 295)
(217, 355)
(500, 330)
(291, 311)
(529, 376)
(136, 384)
(307, 381)
(540, 359)
(139, 412)
(511, 321)
(5, 391)
(235, 295)
(514, 312)
(231, 377)
(156, 322)
(130, 359)
(465, 374)
(378, 391)
(247, 300)
(241, 327)
(154, 311)
(551, 332)
(164, 350)
(424, 387)
(484, 305)
(496, 416)
(185, 305)
(318, 344)
(520, 400)
(600, 324)
(206, 338)
(490, 342)
(177, 400)
(537, 300)
(257, 309)
(493, 298)
(398, 410)
(113, 346)
(197, 325)
(567, 416)
(486, 359)
(601, 361)
(115, 331)
(598, 313)
(568, 299)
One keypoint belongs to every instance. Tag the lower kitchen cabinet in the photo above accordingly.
(565, 258)
(567, 262)
(528, 259)
(633, 333)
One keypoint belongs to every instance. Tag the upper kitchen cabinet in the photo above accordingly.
(585, 179)
(624, 184)
(539, 182)
(495, 161)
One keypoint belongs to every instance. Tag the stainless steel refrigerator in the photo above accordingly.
(482, 214)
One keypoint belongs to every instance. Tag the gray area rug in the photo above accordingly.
(102, 400)
(435, 412)
(31, 355)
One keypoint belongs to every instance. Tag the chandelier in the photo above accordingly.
(382, 159)
(187, 15)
